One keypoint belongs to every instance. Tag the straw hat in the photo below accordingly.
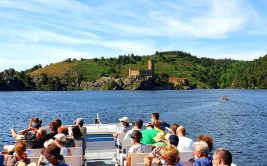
(160, 136)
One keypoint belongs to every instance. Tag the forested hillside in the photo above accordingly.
(72, 74)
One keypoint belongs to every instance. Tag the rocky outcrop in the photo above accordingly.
(124, 83)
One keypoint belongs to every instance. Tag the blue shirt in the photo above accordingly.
(205, 161)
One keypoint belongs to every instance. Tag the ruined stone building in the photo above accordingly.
(143, 73)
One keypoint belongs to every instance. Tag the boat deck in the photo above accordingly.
(100, 149)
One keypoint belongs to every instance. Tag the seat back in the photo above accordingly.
(186, 156)
(137, 158)
(76, 151)
(126, 142)
(78, 143)
(75, 160)
(34, 159)
(188, 163)
(34, 152)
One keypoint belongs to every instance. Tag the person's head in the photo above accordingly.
(60, 138)
(36, 123)
(52, 153)
(124, 121)
(63, 130)
(222, 157)
(156, 123)
(58, 122)
(149, 125)
(41, 133)
(20, 148)
(174, 128)
(138, 124)
(180, 131)
(79, 122)
(136, 136)
(169, 154)
(201, 149)
(53, 126)
(174, 140)
(206, 138)
(76, 132)
(154, 116)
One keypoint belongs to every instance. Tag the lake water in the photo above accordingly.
(238, 124)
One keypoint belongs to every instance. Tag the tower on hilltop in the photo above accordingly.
(151, 66)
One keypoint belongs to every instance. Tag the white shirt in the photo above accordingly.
(185, 144)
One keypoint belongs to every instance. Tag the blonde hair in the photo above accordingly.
(170, 154)
(202, 147)
(181, 129)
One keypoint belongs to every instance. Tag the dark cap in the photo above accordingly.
(136, 134)
(52, 151)
(174, 140)
(36, 125)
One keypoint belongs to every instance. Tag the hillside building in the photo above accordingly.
(143, 73)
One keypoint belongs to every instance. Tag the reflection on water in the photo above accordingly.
(238, 124)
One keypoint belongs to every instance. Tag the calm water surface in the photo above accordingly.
(238, 124)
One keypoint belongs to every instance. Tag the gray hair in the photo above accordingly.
(224, 155)
(202, 147)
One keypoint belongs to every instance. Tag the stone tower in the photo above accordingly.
(151, 66)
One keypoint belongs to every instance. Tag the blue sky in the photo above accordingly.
(48, 31)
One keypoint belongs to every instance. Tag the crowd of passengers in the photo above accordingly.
(55, 143)
(167, 145)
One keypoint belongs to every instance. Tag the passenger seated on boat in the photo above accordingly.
(58, 122)
(148, 134)
(124, 122)
(34, 138)
(10, 149)
(155, 116)
(155, 155)
(53, 131)
(79, 122)
(169, 156)
(174, 128)
(69, 138)
(77, 135)
(222, 157)
(208, 139)
(160, 140)
(52, 154)
(138, 124)
(136, 137)
(18, 155)
(35, 123)
(201, 152)
(60, 140)
(185, 144)
(156, 124)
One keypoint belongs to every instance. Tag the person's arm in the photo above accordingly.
(23, 132)
(148, 159)
(13, 132)
(128, 161)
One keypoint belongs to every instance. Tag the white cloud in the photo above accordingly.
(22, 56)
